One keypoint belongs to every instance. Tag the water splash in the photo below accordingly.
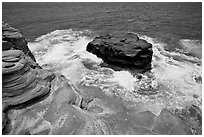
(125, 79)
(63, 51)
(171, 82)
(177, 73)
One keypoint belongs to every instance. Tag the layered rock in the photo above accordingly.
(13, 39)
(38, 102)
(21, 79)
(65, 113)
(123, 49)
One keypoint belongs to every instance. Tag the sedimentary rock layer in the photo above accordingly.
(21, 79)
(39, 102)
(13, 39)
(65, 112)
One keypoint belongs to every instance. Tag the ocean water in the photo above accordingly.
(165, 21)
(58, 34)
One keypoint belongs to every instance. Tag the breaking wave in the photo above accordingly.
(174, 81)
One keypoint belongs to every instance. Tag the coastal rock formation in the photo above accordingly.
(64, 113)
(123, 49)
(13, 39)
(39, 102)
(22, 82)
(21, 79)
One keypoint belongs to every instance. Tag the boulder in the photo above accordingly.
(122, 49)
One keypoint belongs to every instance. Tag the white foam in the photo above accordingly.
(60, 45)
(63, 51)
(173, 73)
(35, 47)
(193, 47)
(177, 76)
(125, 79)
(80, 49)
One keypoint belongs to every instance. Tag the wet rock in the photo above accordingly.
(13, 36)
(122, 49)
(38, 102)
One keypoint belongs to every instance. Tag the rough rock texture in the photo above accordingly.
(167, 123)
(13, 39)
(192, 116)
(65, 112)
(21, 79)
(123, 49)
(38, 102)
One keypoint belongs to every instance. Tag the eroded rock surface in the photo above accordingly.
(123, 49)
(13, 39)
(21, 79)
(39, 102)
(63, 112)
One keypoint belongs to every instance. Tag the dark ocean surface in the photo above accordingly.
(58, 34)
(166, 21)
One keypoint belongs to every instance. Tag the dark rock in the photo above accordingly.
(123, 49)
(6, 45)
(198, 79)
(3, 120)
(15, 37)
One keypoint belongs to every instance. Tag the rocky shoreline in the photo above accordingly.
(40, 102)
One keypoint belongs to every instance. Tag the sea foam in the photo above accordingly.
(191, 47)
(171, 82)
(177, 72)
